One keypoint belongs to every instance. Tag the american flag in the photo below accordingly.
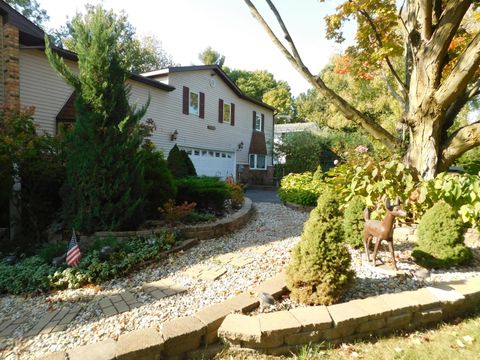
(73, 253)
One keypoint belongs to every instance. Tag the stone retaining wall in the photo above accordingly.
(282, 332)
(297, 207)
(199, 232)
(286, 331)
(190, 337)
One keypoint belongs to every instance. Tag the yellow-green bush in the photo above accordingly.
(440, 238)
(319, 270)
(300, 189)
(353, 222)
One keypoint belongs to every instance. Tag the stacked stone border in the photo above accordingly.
(283, 332)
(191, 233)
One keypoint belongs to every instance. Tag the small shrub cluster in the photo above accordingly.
(353, 222)
(319, 270)
(440, 238)
(34, 273)
(180, 163)
(461, 191)
(301, 189)
(174, 214)
(236, 195)
(209, 193)
(39, 167)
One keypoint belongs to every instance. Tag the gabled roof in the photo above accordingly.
(32, 36)
(218, 70)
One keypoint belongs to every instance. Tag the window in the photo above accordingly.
(227, 113)
(196, 152)
(258, 162)
(258, 122)
(194, 103)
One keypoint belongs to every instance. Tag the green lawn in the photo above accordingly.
(447, 341)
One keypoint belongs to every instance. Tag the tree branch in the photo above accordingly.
(426, 8)
(459, 142)
(461, 75)
(444, 32)
(350, 112)
(387, 59)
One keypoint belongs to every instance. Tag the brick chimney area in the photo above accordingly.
(11, 66)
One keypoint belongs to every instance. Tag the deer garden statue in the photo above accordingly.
(381, 230)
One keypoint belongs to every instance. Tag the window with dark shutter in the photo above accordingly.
(263, 122)
(254, 120)
(220, 110)
(232, 114)
(202, 106)
(186, 99)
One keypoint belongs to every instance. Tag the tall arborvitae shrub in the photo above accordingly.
(440, 241)
(319, 270)
(353, 222)
(180, 163)
(104, 189)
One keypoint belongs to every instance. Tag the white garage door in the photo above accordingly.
(212, 162)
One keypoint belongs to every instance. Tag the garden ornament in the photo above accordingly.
(265, 300)
(105, 252)
(381, 230)
(59, 260)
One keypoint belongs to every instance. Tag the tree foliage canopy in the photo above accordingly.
(141, 54)
(30, 9)
(439, 42)
(209, 56)
(105, 177)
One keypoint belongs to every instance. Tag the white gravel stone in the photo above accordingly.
(274, 226)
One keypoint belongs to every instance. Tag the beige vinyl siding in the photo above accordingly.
(193, 131)
(41, 87)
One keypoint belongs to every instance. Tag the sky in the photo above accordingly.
(186, 27)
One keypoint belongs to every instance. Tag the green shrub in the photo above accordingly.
(28, 275)
(301, 189)
(159, 183)
(372, 178)
(353, 222)
(41, 171)
(197, 217)
(209, 193)
(461, 191)
(319, 270)
(180, 164)
(48, 251)
(440, 238)
(104, 188)
(236, 195)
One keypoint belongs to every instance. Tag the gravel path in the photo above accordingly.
(274, 227)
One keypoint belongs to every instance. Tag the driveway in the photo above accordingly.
(263, 195)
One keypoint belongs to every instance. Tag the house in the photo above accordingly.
(224, 131)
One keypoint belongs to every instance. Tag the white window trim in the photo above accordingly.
(190, 109)
(230, 112)
(256, 162)
(258, 117)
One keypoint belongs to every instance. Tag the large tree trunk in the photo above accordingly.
(423, 152)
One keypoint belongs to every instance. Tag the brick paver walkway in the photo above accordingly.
(119, 303)
(54, 321)
(163, 288)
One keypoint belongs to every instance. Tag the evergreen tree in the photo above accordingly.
(188, 163)
(105, 181)
(319, 271)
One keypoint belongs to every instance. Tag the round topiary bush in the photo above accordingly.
(440, 238)
(353, 222)
(319, 270)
